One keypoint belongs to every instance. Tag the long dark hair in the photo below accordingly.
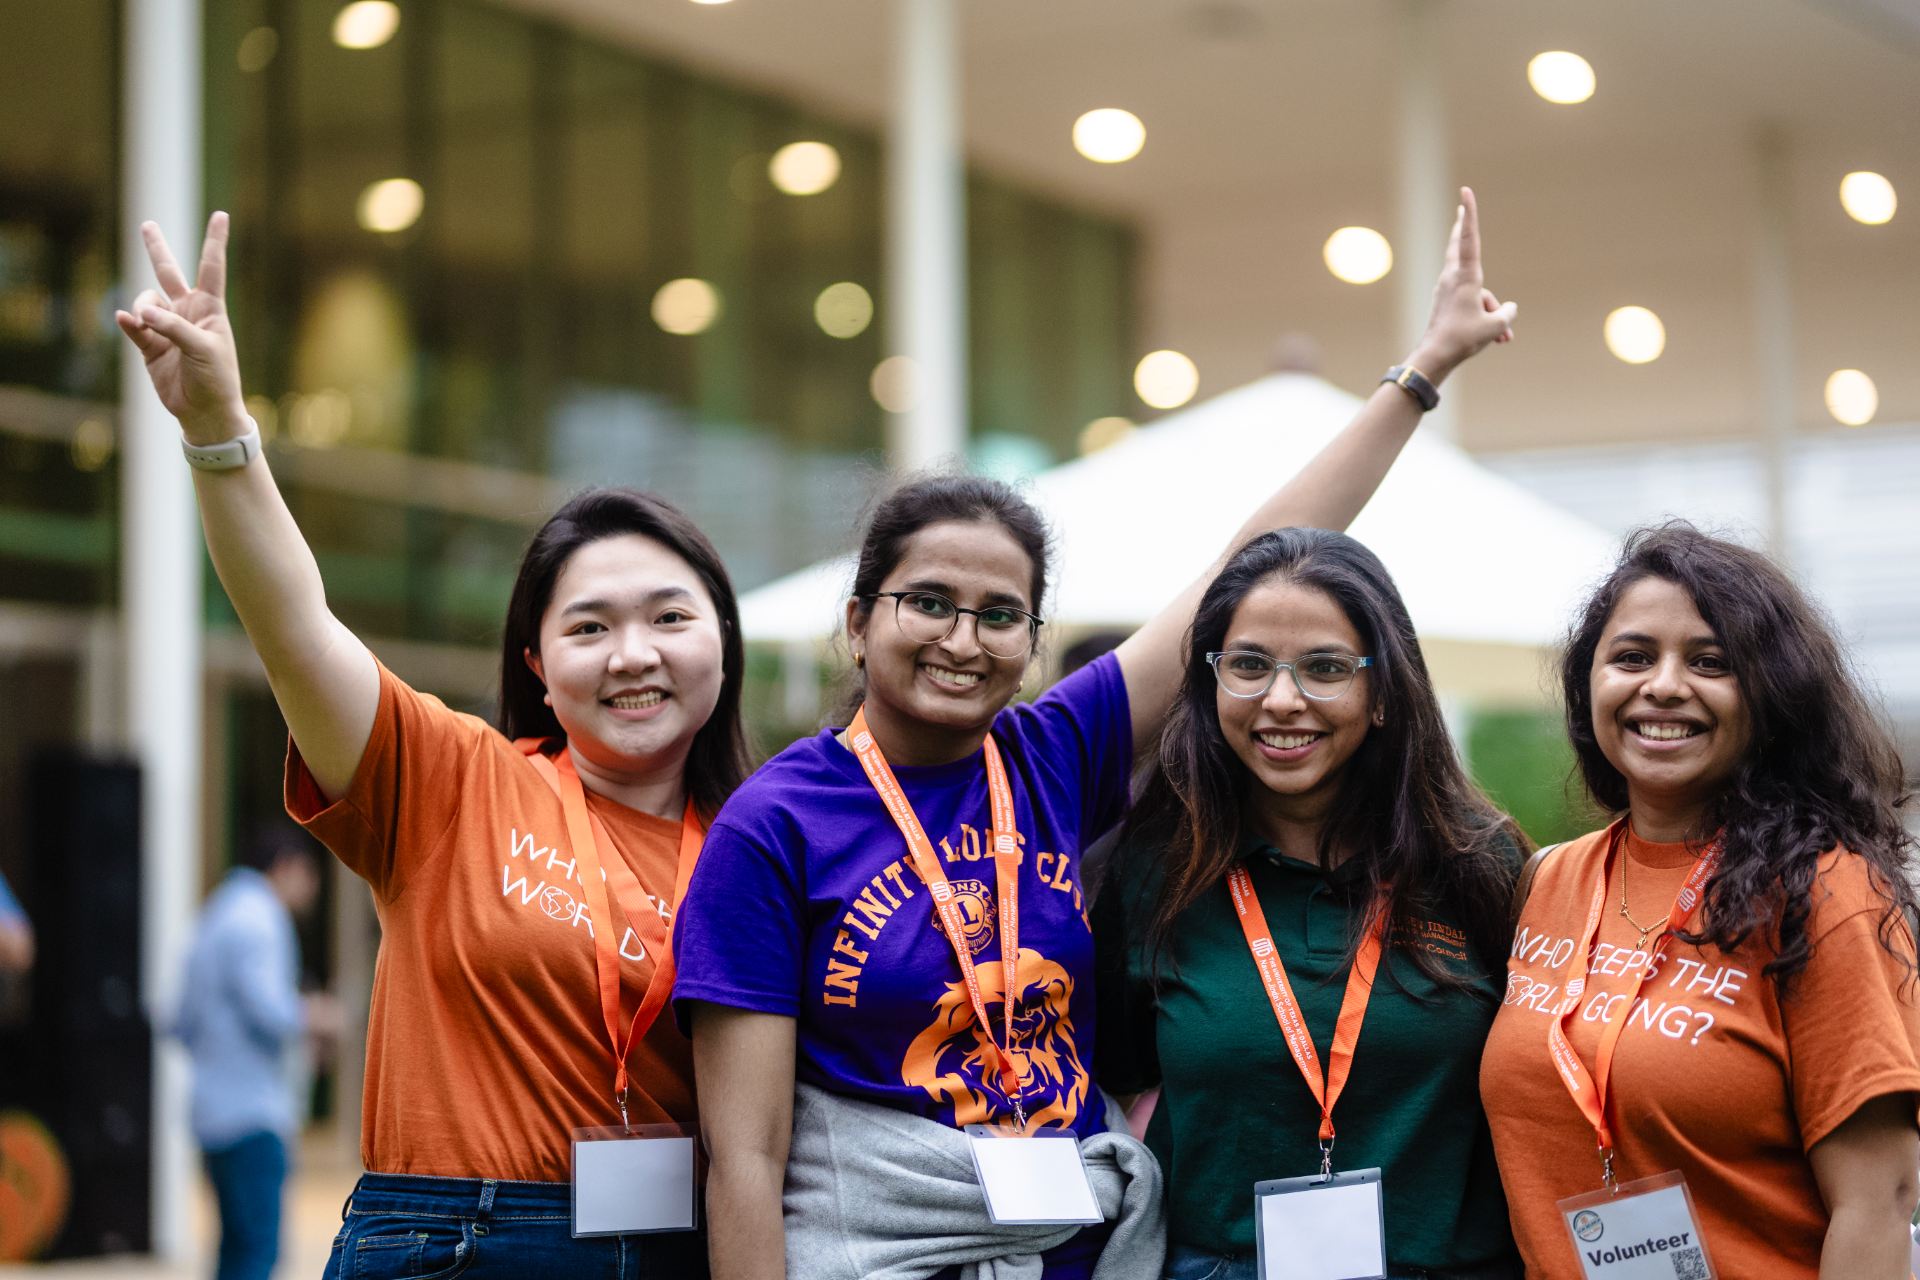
(934, 499)
(1419, 835)
(717, 761)
(1821, 772)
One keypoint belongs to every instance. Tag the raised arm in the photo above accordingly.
(743, 1073)
(324, 679)
(1330, 490)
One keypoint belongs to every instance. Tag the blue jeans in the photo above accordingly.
(248, 1178)
(401, 1227)
(1184, 1263)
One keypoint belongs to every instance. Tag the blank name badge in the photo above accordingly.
(1036, 1178)
(1644, 1231)
(633, 1180)
(1321, 1228)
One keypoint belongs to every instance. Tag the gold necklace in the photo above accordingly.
(1644, 929)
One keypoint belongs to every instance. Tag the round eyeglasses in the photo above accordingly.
(927, 617)
(1247, 673)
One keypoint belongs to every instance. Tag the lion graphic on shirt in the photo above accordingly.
(953, 1061)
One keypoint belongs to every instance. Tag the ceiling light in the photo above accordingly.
(366, 24)
(1109, 135)
(686, 306)
(1104, 433)
(1852, 398)
(1165, 379)
(1635, 335)
(257, 49)
(804, 168)
(1562, 77)
(895, 384)
(1358, 255)
(392, 205)
(1867, 197)
(843, 310)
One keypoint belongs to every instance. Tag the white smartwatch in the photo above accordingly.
(228, 454)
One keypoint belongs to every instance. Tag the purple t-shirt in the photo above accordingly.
(806, 904)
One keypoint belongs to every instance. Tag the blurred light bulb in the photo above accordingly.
(1635, 335)
(392, 205)
(804, 168)
(1358, 255)
(1562, 77)
(1109, 135)
(895, 384)
(1852, 398)
(686, 306)
(1165, 379)
(1104, 433)
(366, 24)
(1867, 197)
(843, 310)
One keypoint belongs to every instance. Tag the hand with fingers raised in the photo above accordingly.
(1467, 318)
(183, 334)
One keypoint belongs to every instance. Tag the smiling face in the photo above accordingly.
(1668, 711)
(630, 652)
(931, 703)
(1294, 746)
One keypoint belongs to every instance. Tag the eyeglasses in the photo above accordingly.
(927, 617)
(1244, 673)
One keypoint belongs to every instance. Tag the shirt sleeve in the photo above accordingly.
(258, 966)
(1126, 1052)
(401, 803)
(739, 936)
(1086, 719)
(1852, 1024)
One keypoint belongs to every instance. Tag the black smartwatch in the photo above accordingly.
(1415, 384)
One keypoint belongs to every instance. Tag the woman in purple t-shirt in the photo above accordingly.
(810, 950)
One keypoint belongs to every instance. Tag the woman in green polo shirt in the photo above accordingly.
(1308, 818)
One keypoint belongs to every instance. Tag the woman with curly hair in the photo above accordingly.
(1717, 987)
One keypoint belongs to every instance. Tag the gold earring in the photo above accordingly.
(859, 662)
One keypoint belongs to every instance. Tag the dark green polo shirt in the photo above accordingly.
(1234, 1109)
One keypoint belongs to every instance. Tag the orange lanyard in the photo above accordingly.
(656, 935)
(1589, 1090)
(1286, 1010)
(1006, 863)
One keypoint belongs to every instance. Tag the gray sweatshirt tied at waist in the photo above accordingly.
(874, 1193)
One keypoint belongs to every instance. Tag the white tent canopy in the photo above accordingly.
(1479, 560)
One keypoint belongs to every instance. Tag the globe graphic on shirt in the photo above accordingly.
(557, 903)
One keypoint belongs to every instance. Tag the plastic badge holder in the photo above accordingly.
(1646, 1230)
(1321, 1228)
(1038, 1179)
(638, 1179)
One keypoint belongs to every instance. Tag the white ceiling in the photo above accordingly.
(1270, 123)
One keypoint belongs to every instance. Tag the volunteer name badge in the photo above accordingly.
(1644, 1231)
(1321, 1227)
(1039, 1178)
(635, 1180)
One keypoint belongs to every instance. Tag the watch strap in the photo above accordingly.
(1415, 384)
(228, 454)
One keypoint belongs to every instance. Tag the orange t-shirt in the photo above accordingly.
(486, 1047)
(1715, 1076)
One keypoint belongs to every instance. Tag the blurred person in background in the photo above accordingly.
(16, 933)
(241, 1018)
(1724, 975)
(1306, 770)
(839, 1055)
(513, 1007)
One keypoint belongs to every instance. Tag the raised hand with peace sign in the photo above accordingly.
(183, 334)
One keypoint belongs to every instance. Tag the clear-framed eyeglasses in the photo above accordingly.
(1247, 673)
(927, 617)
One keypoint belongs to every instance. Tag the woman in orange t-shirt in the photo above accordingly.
(1726, 971)
(502, 1022)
